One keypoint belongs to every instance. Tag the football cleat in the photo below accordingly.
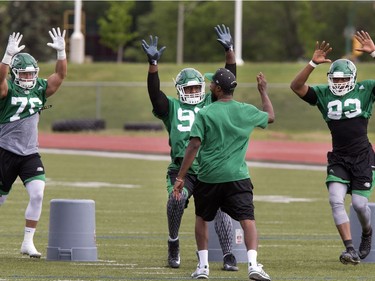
(365, 246)
(174, 254)
(349, 256)
(201, 273)
(230, 263)
(30, 250)
(257, 273)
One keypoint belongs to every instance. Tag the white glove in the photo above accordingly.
(58, 43)
(13, 47)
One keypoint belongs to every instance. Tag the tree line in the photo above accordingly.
(281, 31)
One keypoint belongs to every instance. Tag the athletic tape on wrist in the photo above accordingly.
(7, 59)
(313, 64)
(61, 55)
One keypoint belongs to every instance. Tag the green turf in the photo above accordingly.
(298, 241)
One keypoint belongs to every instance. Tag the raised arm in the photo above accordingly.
(158, 99)
(55, 80)
(368, 45)
(12, 49)
(298, 84)
(225, 39)
(266, 102)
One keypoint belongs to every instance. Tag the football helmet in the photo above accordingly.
(342, 68)
(186, 78)
(24, 70)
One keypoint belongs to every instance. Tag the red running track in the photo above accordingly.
(269, 150)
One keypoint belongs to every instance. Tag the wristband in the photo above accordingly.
(7, 59)
(61, 55)
(373, 54)
(179, 180)
(153, 62)
(313, 64)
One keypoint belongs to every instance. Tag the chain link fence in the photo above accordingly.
(126, 105)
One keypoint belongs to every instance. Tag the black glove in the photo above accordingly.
(152, 51)
(224, 37)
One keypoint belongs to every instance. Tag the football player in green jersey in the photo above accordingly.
(221, 133)
(178, 115)
(346, 106)
(22, 97)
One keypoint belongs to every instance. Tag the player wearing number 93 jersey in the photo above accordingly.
(346, 106)
(346, 115)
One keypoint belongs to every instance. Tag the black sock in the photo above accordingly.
(348, 244)
(368, 233)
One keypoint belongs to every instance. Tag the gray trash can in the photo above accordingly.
(239, 249)
(356, 230)
(72, 230)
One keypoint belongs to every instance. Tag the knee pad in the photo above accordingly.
(35, 190)
(337, 192)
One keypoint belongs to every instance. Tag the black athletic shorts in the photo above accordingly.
(234, 198)
(357, 169)
(13, 165)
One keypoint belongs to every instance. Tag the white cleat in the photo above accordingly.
(257, 273)
(201, 273)
(30, 250)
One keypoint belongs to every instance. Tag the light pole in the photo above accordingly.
(238, 31)
(77, 40)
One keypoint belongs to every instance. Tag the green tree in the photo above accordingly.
(161, 21)
(115, 27)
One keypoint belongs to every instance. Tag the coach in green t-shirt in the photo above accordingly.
(221, 133)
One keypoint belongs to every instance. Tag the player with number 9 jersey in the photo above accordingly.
(179, 126)
(178, 115)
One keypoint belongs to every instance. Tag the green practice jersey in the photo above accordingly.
(356, 103)
(346, 116)
(224, 129)
(178, 123)
(19, 117)
(21, 103)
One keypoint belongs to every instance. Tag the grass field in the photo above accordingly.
(298, 240)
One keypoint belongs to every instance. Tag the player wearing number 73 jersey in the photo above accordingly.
(346, 105)
(22, 97)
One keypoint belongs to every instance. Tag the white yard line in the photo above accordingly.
(156, 157)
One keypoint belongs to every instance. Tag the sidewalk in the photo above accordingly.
(271, 151)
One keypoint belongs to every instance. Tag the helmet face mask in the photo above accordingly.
(190, 77)
(346, 70)
(24, 70)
